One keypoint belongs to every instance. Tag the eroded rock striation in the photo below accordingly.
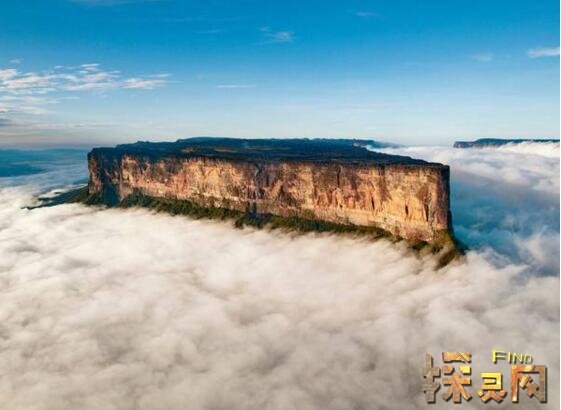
(337, 181)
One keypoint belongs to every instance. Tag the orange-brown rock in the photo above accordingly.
(334, 181)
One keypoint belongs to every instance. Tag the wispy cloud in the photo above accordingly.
(25, 104)
(234, 86)
(109, 3)
(483, 57)
(15, 61)
(277, 36)
(90, 67)
(145, 84)
(543, 52)
(5, 122)
(211, 31)
(366, 14)
(86, 77)
(30, 93)
(8, 73)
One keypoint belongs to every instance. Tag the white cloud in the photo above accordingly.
(90, 67)
(15, 61)
(282, 36)
(146, 84)
(277, 36)
(25, 92)
(31, 83)
(366, 14)
(504, 196)
(85, 77)
(484, 57)
(92, 79)
(543, 52)
(233, 86)
(7, 74)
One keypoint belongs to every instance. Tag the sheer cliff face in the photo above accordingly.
(409, 200)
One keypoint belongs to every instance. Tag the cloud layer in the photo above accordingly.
(130, 310)
(505, 199)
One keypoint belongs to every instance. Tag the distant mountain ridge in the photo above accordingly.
(497, 142)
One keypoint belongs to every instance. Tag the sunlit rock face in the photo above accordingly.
(335, 181)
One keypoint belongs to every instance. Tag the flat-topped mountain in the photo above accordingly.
(314, 150)
(497, 142)
(336, 182)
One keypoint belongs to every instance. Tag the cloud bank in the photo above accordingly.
(131, 310)
(505, 199)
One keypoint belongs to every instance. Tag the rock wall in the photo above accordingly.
(408, 200)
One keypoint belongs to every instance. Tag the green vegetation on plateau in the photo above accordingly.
(447, 248)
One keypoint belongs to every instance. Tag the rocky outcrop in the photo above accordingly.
(333, 181)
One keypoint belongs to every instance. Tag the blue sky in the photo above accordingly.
(414, 72)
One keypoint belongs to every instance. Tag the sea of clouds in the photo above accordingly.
(504, 198)
(127, 309)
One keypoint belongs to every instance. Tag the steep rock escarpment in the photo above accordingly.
(333, 181)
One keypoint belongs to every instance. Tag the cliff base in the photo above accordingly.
(446, 248)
